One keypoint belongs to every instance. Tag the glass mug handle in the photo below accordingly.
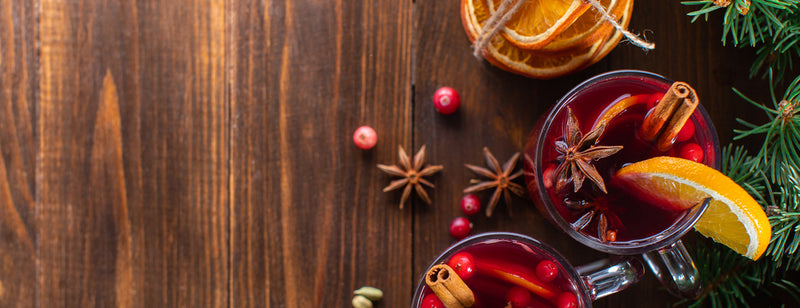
(609, 276)
(673, 266)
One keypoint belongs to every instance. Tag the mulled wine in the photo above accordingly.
(604, 209)
(502, 269)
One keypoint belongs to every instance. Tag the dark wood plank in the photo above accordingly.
(18, 82)
(310, 223)
(499, 109)
(132, 172)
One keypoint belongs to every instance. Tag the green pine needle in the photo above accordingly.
(772, 177)
(772, 26)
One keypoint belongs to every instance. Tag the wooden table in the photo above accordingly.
(199, 153)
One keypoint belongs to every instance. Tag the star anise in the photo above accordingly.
(501, 178)
(605, 219)
(578, 153)
(411, 175)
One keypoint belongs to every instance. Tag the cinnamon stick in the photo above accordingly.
(450, 289)
(667, 118)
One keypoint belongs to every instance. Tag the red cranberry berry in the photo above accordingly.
(546, 271)
(470, 204)
(547, 176)
(567, 300)
(463, 264)
(693, 152)
(460, 228)
(611, 236)
(519, 297)
(365, 137)
(432, 301)
(446, 100)
(686, 131)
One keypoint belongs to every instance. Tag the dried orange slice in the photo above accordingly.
(588, 28)
(501, 53)
(625, 20)
(540, 66)
(733, 217)
(535, 64)
(537, 22)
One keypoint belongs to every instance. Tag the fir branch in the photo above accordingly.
(772, 26)
(772, 176)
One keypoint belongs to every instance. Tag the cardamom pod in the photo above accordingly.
(361, 302)
(372, 293)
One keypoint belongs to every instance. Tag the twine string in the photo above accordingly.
(495, 23)
(498, 20)
(633, 38)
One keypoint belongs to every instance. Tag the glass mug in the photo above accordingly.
(497, 252)
(626, 227)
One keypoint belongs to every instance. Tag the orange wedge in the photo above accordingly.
(588, 28)
(733, 217)
(537, 22)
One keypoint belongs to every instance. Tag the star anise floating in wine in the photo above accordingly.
(607, 221)
(411, 174)
(499, 178)
(578, 153)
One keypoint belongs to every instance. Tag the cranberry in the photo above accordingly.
(611, 236)
(432, 301)
(519, 297)
(567, 300)
(365, 137)
(460, 227)
(547, 176)
(546, 271)
(463, 264)
(693, 152)
(470, 204)
(446, 100)
(686, 131)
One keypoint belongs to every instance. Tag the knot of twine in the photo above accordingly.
(503, 14)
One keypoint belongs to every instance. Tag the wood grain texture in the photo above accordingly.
(310, 224)
(133, 156)
(18, 83)
(499, 109)
(198, 153)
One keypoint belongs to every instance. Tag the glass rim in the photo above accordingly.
(664, 238)
(499, 235)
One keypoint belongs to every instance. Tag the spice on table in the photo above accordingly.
(412, 175)
(500, 177)
(360, 301)
(578, 152)
(450, 289)
(372, 293)
(667, 118)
